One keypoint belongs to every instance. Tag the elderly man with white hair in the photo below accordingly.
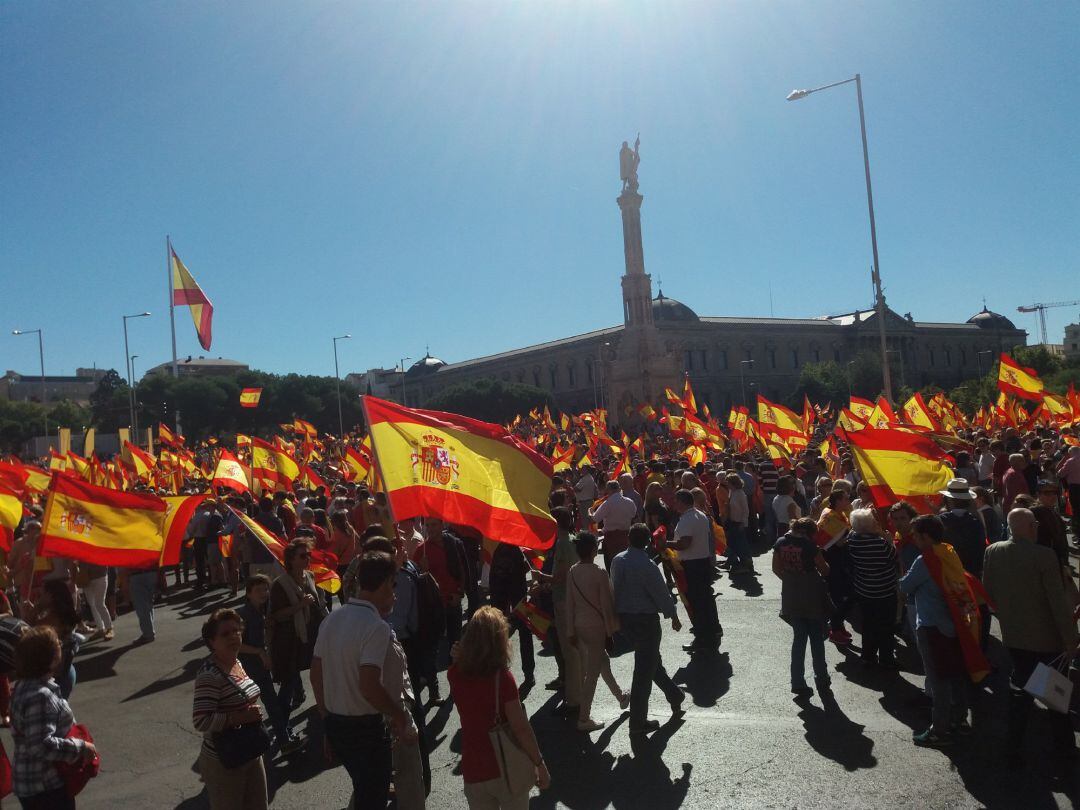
(1024, 582)
(875, 571)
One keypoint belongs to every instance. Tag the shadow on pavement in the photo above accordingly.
(747, 582)
(175, 678)
(96, 661)
(834, 735)
(706, 677)
(640, 780)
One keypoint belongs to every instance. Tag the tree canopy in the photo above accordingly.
(490, 400)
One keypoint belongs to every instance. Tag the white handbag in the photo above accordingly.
(1050, 685)
(518, 771)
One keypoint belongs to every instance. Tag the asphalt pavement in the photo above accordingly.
(742, 742)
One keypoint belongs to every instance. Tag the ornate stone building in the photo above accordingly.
(729, 359)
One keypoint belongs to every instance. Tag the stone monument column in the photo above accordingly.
(638, 369)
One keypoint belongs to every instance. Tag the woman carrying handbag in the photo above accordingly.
(500, 759)
(591, 604)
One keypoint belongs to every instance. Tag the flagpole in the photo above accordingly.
(172, 318)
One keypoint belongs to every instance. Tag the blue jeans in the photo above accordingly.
(814, 631)
(362, 745)
(142, 585)
(643, 632)
(279, 721)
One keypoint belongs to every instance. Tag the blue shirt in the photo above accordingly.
(639, 586)
(931, 609)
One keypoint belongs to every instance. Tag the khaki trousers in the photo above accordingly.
(493, 795)
(594, 663)
(572, 674)
(242, 788)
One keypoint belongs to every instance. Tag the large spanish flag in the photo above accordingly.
(271, 467)
(180, 509)
(464, 471)
(102, 526)
(1017, 380)
(784, 422)
(899, 466)
(187, 292)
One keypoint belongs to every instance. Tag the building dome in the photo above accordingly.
(425, 365)
(991, 320)
(668, 309)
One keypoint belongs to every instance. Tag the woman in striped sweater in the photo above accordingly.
(225, 697)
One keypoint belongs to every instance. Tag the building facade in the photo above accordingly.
(29, 387)
(729, 359)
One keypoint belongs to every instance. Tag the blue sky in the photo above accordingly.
(446, 173)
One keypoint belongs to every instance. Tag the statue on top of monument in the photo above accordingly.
(628, 163)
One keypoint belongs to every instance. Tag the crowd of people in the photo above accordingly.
(423, 604)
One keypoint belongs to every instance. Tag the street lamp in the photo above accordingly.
(337, 384)
(41, 356)
(402, 368)
(742, 379)
(875, 273)
(127, 364)
(135, 399)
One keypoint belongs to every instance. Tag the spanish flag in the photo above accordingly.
(918, 414)
(102, 526)
(249, 397)
(11, 510)
(271, 467)
(464, 471)
(186, 292)
(230, 473)
(179, 511)
(138, 460)
(534, 618)
(784, 422)
(359, 461)
(961, 591)
(311, 479)
(322, 564)
(1017, 380)
(166, 436)
(900, 466)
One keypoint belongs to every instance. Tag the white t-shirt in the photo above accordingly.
(780, 508)
(585, 488)
(354, 636)
(696, 525)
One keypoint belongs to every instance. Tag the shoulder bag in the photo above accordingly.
(239, 746)
(515, 767)
(614, 644)
(77, 774)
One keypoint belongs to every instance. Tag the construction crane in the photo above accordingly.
(1041, 309)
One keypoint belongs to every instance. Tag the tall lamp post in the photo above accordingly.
(337, 384)
(404, 399)
(135, 398)
(875, 273)
(41, 357)
(742, 379)
(127, 363)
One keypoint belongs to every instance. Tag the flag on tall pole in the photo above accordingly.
(187, 292)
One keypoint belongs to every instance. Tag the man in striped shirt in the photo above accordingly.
(875, 571)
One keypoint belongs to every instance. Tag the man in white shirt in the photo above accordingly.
(691, 541)
(617, 513)
(357, 674)
(584, 493)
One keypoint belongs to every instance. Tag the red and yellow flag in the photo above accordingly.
(271, 467)
(359, 461)
(462, 470)
(1017, 380)
(322, 564)
(187, 293)
(538, 622)
(783, 422)
(102, 526)
(167, 436)
(959, 588)
(900, 466)
(11, 510)
(138, 460)
(230, 473)
(249, 397)
(179, 510)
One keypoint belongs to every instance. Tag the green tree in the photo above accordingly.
(109, 403)
(19, 422)
(490, 400)
(821, 382)
(68, 414)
